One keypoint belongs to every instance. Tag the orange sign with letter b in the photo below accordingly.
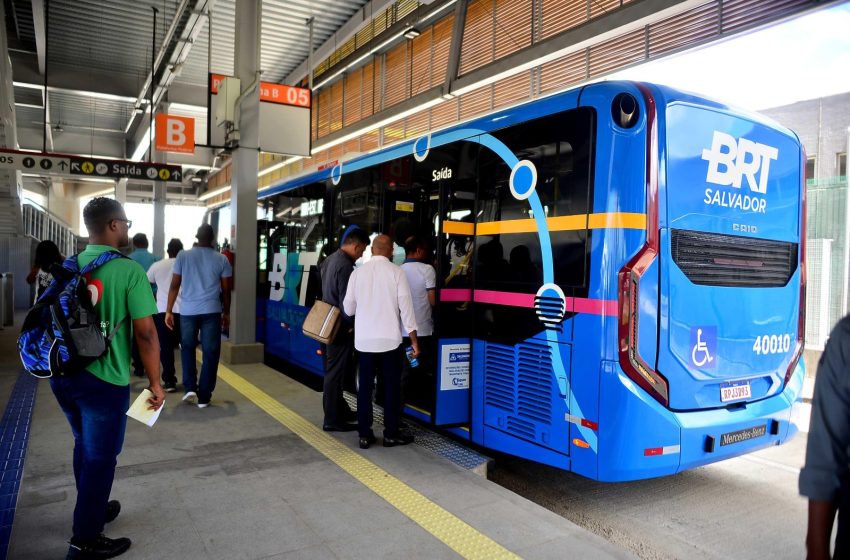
(175, 134)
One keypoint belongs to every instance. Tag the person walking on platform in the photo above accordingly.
(46, 255)
(95, 400)
(204, 275)
(145, 258)
(140, 252)
(422, 279)
(825, 478)
(159, 275)
(338, 355)
(378, 296)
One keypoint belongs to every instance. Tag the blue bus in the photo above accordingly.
(620, 269)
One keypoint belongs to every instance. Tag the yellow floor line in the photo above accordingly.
(455, 533)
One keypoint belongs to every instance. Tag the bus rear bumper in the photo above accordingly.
(655, 441)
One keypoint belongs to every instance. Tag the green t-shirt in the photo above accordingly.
(119, 289)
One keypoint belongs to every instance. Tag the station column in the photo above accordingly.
(159, 196)
(242, 346)
(121, 190)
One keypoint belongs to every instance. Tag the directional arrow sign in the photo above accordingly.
(29, 162)
(56, 164)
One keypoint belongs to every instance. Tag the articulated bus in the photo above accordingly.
(620, 276)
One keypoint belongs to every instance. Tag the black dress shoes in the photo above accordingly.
(113, 508)
(400, 439)
(365, 442)
(339, 427)
(99, 548)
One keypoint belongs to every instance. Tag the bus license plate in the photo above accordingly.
(735, 391)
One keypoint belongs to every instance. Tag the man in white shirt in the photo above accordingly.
(422, 279)
(378, 295)
(159, 274)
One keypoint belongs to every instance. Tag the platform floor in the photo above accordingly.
(253, 476)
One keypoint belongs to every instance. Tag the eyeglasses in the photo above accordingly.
(128, 222)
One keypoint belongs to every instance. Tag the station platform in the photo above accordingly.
(254, 476)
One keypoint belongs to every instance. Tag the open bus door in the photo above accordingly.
(451, 172)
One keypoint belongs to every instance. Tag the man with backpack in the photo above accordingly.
(95, 399)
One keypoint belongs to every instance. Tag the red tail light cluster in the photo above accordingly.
(801, 320)
(635, 367)
(629, 278)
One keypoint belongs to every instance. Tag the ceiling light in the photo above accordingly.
(412, 33)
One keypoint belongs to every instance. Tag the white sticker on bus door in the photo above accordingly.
(454, 367)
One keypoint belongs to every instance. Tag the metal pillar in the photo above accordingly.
(159, 191)
(243, 193)
(121, 190)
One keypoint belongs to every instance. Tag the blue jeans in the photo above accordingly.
(209, 325)
(96, 411)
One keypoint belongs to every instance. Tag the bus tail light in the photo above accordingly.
(638, 371)
(801, 319)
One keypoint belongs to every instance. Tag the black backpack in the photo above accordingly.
(61, 334)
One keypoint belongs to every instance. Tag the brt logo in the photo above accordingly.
(729, 160)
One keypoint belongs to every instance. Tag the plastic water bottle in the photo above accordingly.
(414, 362)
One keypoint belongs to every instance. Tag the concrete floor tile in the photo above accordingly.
(574, 546)
(500, 522)
(457, 492)
(408, 541)
(342, 516)
(320, 552)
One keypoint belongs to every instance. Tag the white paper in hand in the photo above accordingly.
(140, 409)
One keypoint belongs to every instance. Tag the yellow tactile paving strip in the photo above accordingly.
(456, 534)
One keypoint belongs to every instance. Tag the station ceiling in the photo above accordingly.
(98, 55)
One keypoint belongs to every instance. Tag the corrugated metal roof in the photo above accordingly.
(108, 35)
(68, 109)
(94, 37)
(284, 36)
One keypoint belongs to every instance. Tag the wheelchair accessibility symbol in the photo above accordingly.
(703, 346)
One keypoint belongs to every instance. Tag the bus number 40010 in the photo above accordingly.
(772, 344)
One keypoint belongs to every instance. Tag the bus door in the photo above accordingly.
(270, 239)
(410, 209)
(447, 173)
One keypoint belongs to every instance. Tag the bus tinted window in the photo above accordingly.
(561, 149)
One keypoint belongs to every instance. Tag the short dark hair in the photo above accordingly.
(140, 240)
(174, 247)
(99, 212)
(413, 244)
(356, 236)
(206, 233)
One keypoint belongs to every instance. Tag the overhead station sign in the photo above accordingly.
(284, 117)
(71, 166)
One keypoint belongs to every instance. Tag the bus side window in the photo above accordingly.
(560, 148)
(358, 202)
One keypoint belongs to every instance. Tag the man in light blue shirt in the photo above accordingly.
(145, 258)
(204, 275)
(140, 252)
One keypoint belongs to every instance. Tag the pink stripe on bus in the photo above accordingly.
(455, 294)
(511, 299)
(504, 298)
(593, 306)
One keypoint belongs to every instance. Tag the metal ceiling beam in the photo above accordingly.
(40, 33)
(188, 23)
